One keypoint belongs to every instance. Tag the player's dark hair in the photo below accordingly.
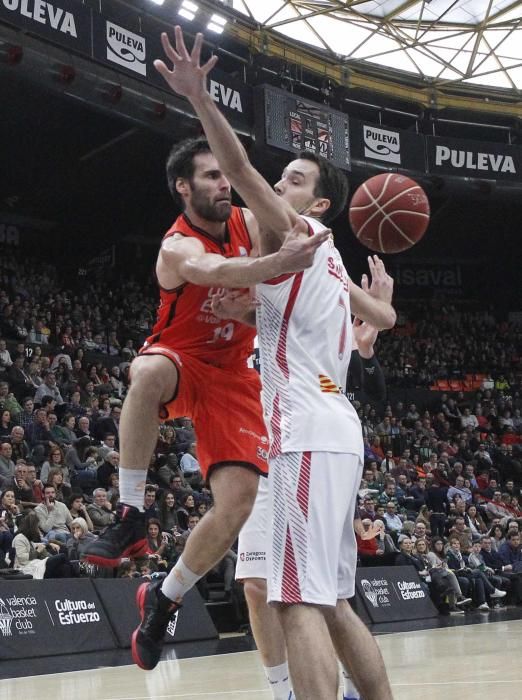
(331, 184)
(180, 163)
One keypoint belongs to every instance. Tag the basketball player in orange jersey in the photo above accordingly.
(302, 333)
(194, 365)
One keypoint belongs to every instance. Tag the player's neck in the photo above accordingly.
(216, 229)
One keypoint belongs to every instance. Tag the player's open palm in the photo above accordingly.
(381, 286)
(298, 251)
(187, 77)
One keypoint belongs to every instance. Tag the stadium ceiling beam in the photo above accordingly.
(401, 8)
(429, 96)
(505, 10)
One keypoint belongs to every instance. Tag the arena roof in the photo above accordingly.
(441, 42)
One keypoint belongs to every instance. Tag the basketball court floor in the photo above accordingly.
(460, 662)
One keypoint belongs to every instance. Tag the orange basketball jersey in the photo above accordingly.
(185, 321)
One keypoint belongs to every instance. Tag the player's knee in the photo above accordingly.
(154, 377)
(255, 592)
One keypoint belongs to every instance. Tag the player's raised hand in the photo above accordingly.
(363, 333)
(187, 77)
(372, 532)
(233, 304)
(381, 286)
(297, 252)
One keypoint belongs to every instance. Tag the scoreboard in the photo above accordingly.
(294, 124)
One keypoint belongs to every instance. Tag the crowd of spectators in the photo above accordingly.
(434, 341)
(441, 491)
(442, 478)
(64, 373)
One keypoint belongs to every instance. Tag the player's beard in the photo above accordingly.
(211, 211)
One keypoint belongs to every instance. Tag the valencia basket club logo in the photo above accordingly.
(369, 592)
(6, 620)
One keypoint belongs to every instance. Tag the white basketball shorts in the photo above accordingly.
(252, 542)
(312, 551)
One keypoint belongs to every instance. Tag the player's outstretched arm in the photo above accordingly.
(185, 260)
(372, 303)
(188, 78)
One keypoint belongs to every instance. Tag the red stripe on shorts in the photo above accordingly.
(290, 590)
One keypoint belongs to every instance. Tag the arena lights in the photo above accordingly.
(217, 24)
(11, 54)
(158, 2)
(111, 92)
(188, 10)
(63, 73)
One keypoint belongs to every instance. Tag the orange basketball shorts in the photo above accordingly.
(225, 408)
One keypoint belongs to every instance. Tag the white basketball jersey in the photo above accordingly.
(305, 339)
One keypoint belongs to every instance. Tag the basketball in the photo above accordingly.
(389, 213)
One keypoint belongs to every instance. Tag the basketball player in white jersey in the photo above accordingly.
(251, 568)
(316, 443)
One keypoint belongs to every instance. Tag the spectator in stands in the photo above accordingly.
(34, 484)
(56, 478)
(100, 510)
(22, 491)
(368, 508)
(6, 425)
(475, 522)
(392, 519)
(185, 435)
(48, 388)
(190, 467)
(64, 434)
(5, 357)
(7, 466)
(186, 510)
(476, 561)
(83, 428)
(496, 508)
(388, 494)
(459, 490)
(108, 467)
(110, 424)
(19, 379)
(77, 509)
(160, 545)
(34, 557)
(108, 445)
(480, 584)
(25, 417)
(8, 401)
(149, 504)
(38, 433)
(55, 461)
(54, 518)
(511, 552)
(407, 557)
(79, 539)
(385, 544)
(494, 561)
(168, 515)
(20, 448)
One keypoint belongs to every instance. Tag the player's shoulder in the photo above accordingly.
(314, 225)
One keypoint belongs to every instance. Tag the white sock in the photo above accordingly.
(179, 581)
(349, 690)
(132, 486)
(279, 679)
